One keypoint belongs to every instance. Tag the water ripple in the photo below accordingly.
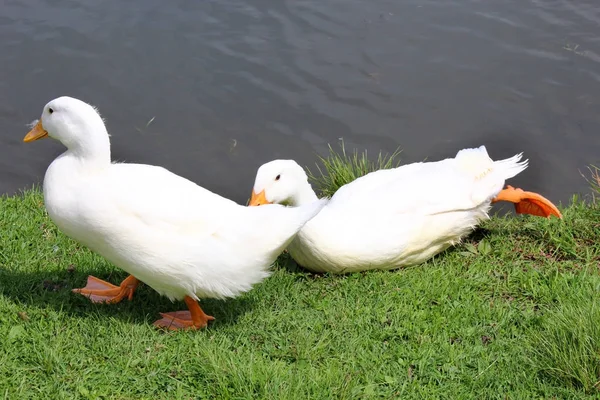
(283, 79)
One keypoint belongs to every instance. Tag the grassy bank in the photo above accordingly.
(512, 313)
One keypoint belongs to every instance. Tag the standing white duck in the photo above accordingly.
(179, 238)
(395, 217)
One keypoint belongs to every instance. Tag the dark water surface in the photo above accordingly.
(234, 84)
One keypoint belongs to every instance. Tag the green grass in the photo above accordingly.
(338, 169)
(512, 313)
(594, 179)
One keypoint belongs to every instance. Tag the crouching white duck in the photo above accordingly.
(179, 238)
(395, 217)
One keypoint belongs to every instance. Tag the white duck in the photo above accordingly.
(397, 217)
(179, 238)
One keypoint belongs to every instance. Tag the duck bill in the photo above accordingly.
(38, 132)
(258, 199)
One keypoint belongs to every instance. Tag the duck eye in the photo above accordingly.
(50, 110)
(277, 177)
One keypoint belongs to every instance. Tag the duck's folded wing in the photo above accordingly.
(149, 197)
(419, 188)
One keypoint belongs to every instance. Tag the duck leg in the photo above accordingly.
(99, 291)
(195, 318)
(528, 202)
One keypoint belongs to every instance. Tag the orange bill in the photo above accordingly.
(38, 132)
(528, 202)
(258, 199)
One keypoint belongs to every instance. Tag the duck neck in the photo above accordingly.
(93, 150)
(305, 195)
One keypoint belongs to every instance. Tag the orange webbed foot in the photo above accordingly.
(194, 319)
(99, 291)
(528, 202)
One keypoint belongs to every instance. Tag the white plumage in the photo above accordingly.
(177, 237)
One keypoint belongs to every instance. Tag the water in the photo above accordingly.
(231, 85)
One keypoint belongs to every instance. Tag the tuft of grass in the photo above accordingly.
(594, 179)
(339, 169)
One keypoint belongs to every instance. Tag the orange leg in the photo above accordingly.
(195, 318)
(528, 202)
(99, 291)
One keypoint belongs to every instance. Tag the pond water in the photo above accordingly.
(212, 89)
